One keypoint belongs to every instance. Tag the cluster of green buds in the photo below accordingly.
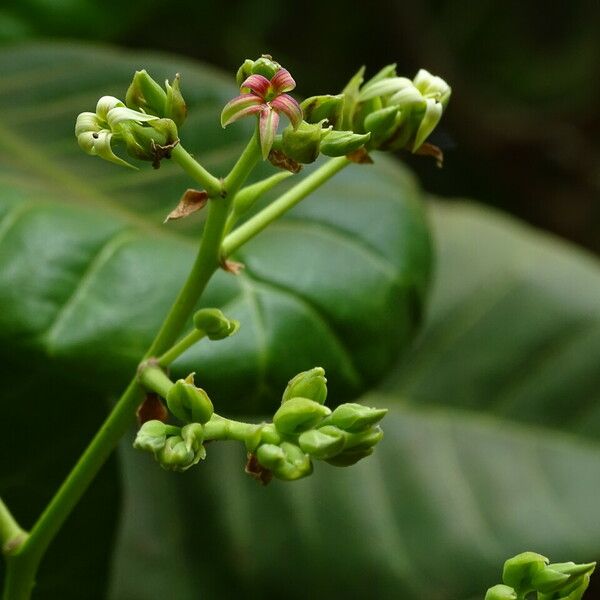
(531, 573)
(307, 429)
(303, 429)
(145, 124)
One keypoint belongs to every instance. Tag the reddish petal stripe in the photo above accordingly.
(289, 107)
(267, 128)
(239, 107)
(282, 82)
(258, 84)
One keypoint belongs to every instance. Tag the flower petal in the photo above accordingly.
(282, 82)
(267, 128)
(239, 107)
(98, 144)
(257, 84)
(289, 107)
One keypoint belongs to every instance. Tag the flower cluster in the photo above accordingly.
(146, 123)
(530, 573)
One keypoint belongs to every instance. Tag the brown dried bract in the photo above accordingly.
(257, 471)
(159, 152)
(231, 266)
(360, 157)
(282, 161)
(431, 150)
(190, 202)
(152, 409)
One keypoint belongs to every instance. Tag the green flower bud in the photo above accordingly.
(193, 436)
(501, 592)
(356, 417)
(175, 107)
(381, 123)
(323, 443)
(363, 440)
(432, 87)
(299, 414)
(429, 121)
(326, 107)
(519, 570)
(149, 143)
(308, 384)
(175, 455)
(347, 458)
(265, 66)
(340, 143)
(351, 98)
(146, 95)
(151, 436)
(568, 580)
(189, 403)
(215, 324)
(244, 71)
(286, 461)
(302, 144)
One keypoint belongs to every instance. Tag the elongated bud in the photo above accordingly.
(326, 107)
(501, 592)
(189, 403)
(308, 384)
(562, 578)
(323, 443)
(363, 440)
(151, 436)
(351, 97)
(299, 414)
(286, 461)
(340, 143)
(302, 144)
(356, 417)
(215, 324)
(175, 106)
(146, 94)
(381, 123)
(147, 143)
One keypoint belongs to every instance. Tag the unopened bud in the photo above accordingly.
(501, 592)
(286, 461)
(563, 579)
(175, 455)
(175, 107)
(340, 143)
(193, 436)
(323, 443)
(432, 86)
(356, 417)
(264, 66)
(327, 107)
(146, 94)
(299, 414)
(189, 403)
(381, 123)
(215, 324)
(308, 384)
(519, 570)
(364, 440)
(151, 436)
(302, 144)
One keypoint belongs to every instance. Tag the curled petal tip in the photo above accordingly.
(283, 82)
(257, 84)
(289, 107)
(239, 107)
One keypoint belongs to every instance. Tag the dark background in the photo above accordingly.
(521, 132)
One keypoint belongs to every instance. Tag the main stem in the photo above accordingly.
(22, 565)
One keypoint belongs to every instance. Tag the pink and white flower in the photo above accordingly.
(267, 99)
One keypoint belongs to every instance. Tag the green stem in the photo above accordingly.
(11, 534)
(196, 171)
(285, 202)
(243, 167)
(153, 378)
(220, 428)
(180, 347)
(22, 565)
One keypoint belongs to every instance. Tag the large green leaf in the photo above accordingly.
(475, 465)
(87, 272)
